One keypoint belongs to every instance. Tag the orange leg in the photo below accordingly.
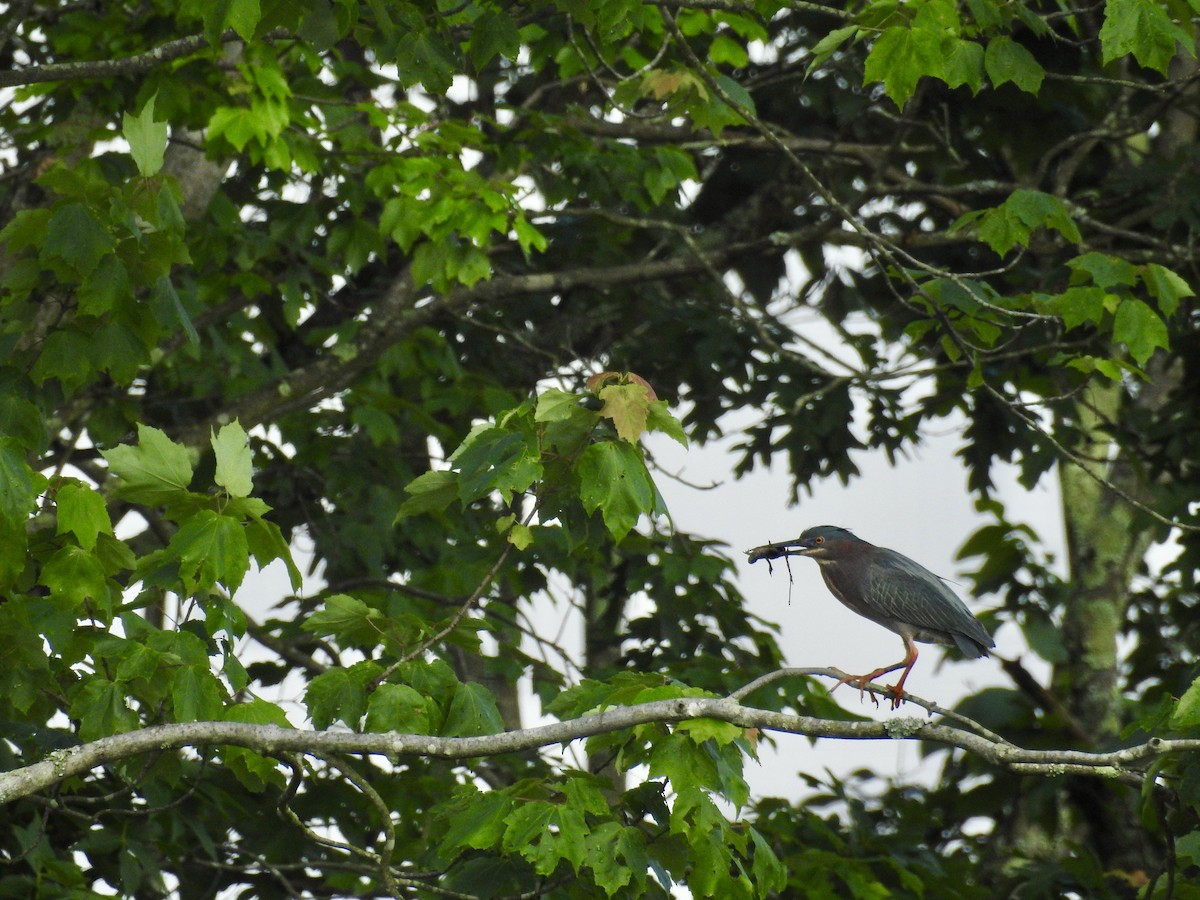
(910, 658)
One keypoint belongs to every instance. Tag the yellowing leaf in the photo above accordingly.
(628, 406)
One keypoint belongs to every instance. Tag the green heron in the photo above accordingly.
(890, 589)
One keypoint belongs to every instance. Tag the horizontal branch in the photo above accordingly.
(125, 65)
(273, 740)
(104, 68)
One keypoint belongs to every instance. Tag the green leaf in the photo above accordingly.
(211, 548)
(823, 49)
(1139, 328)
(19, 485)
(1187, 712)
(1188, 847)
(254, 771)
(196, 694)
(167, 297)
(118, 351)
(1111, 369)
(1014, 221)
(266, 544)
(105, 288)
(147, 139)
(76, 575)
(155, 472)
(1106, 271)
(701, 730)
(1076, 305)
(65, 356)
(320, 26)
(1166, 287)
(528, 236)
(143, 662)
(494, 34)
(1006, 60)
(1143, 28)
(738, 94)
(339, 694)
(520, 536)
(613, 478)
(235, 467)
(527, 822)
(231, 667)
(1044, 637)
(768, 872)
(724, 50)
(23, 422)
(472, 711)
(430, 491)
(608, 868)
(75, 235)
(351, 620)
(237, 124)
(478, 822)
(101, 710)
(243, 17)
(659, 418)
(554, 405)
(495, 459)
(965, 65)
(444, 262)
(399, 708)
(684, 763)
(82, 512)
(26, 229)
(423, 57)
(900, 56)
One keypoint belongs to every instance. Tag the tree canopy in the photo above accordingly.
(385, 295)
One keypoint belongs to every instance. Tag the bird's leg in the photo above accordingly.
(910, 658)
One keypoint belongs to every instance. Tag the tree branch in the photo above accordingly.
(273, 740)
(400, 315)
(109, 68)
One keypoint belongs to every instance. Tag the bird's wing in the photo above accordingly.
(908, 592)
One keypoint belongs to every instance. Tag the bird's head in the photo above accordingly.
(821, 542)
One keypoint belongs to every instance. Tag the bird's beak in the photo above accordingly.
(796, 547)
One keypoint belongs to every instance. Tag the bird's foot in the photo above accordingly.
(898, 694)
(862, 681)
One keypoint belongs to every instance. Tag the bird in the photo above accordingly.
(891, 590)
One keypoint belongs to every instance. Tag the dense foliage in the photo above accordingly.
(403, 284)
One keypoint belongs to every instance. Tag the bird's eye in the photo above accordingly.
(819, 540)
